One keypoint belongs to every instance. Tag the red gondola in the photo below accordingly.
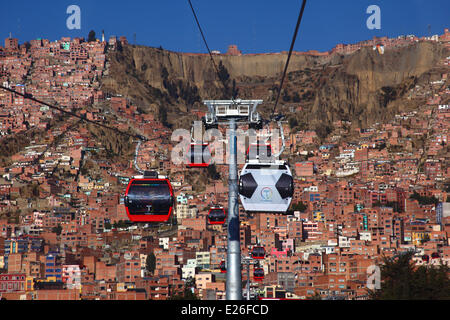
(149, 200)
(198, 155)
(217, 215)
(258, 252)
(258, 274)
(222, 267)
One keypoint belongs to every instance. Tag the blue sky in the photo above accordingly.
(256, 26)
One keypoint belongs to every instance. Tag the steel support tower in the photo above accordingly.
(234, 277)
(233, 112)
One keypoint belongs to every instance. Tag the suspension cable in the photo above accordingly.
(207, 47)
(73, 114)
(300, 16)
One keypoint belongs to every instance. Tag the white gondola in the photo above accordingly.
(266, 184)
(266, 187)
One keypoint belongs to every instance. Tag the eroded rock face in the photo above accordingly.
(363, 87)
(370, 87)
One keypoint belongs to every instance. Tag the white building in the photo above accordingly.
(72, 276)
(164, 243)
(203, 259)
(365, 236)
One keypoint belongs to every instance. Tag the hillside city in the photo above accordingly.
(362, 195)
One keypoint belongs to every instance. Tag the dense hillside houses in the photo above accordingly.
(360, 195)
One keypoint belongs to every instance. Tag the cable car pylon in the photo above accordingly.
(232, 113)
(234, 287)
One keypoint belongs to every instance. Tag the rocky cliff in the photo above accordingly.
(363, 87)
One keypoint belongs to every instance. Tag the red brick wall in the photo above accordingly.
(58, 295)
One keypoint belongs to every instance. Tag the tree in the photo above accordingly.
(187, 293)
(234, 90)
(30, 191)
(91, 36)
(27, 124)
(57, 230)
(212, 172)
(27, 45)
(162, 112)
(293, 123)
(286, 96)
(424, 200)
(300, 206)
(224, 77)
(223, 73)
(120, 224)
(402, 280)
(119, 46)
(150, 263)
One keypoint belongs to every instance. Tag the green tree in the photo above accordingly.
(91, 36)
(224, 77)
(286, 96)
(162, 112)
(120, 224)
(187, 293)
(424, 200)
(234, 90)
(57, 230)
(150, 263)
(402, 280)
(223, 73)
(300, 206)
(212, 172)
(293, 123)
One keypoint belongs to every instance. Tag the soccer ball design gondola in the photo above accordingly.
(266, 187)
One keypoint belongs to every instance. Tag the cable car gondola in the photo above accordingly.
(149, 200)
(258, 252)
(222, 267)
(198, 155)
(258, 274)
(266, 187)
(216, 215)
